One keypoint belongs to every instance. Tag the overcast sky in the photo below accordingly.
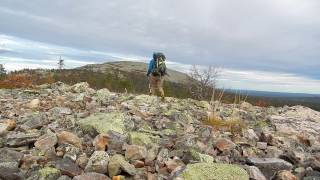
(268, 45)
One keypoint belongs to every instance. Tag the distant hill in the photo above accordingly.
(133, 67)
(274, 94)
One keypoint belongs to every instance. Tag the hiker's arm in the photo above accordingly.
(150, 68)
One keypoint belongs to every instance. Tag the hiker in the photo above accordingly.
(156, 72)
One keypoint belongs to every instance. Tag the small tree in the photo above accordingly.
(3, 72)
(202, 82)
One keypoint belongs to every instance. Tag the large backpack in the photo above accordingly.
(160, 64)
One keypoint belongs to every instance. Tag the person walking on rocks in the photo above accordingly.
(156, 72)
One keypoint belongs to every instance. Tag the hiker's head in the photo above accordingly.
(158, 55)
(154, 55)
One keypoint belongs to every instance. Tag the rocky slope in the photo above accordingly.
(74, 132)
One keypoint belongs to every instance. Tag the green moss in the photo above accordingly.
(103, 122)
(143, 139)
(214, 171)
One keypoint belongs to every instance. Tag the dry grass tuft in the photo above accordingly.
(235, 126)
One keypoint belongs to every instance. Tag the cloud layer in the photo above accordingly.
(267, 38)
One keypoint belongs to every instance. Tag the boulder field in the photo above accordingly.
(65, 132)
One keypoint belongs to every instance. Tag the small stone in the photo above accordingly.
(273, 151)
(61, 111)
(224, 145)
(46, 141)
(29, 161)
(11, 124)
(173, 164)
(138, 164)
(252, 135)
(34, 104)
(10, 170)
(151, 176)
(262, 145)
(8, 155)
(34, 122)
(118, 178)
(255, 173)
(71, 152)
(269, 166)
(98, 162)
(135, 152)
(284, 175)
(91, 176)
(3, 129)
(82, 160)
(100, 142)
(68, 137)
(22, 139)
(300, 172)
(64, 177)
(67, 167)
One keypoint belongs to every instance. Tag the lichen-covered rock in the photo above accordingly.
(117, 164)
(213, 171)
(98, 162)
(49, 173)
(201, 157)
(143, 139)
(103, 95)
(104, 122)
(81, 88)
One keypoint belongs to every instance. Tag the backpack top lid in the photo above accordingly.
(157, 55)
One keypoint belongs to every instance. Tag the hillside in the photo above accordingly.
(61, 131)
(124, 76)
(133, 67)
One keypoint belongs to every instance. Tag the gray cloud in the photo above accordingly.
(275, 36)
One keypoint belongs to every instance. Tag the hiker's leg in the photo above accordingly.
(161, 86)
(153, 85)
